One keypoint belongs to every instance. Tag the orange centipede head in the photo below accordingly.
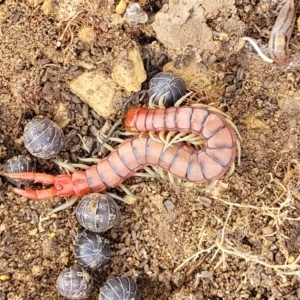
(64, 185)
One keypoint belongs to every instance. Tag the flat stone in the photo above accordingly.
(128, 70)
(97, 90)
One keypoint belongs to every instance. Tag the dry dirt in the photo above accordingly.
(238, 240)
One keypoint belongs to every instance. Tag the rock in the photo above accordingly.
(62, 116)
(35, 3)
(184, 28)
(46, 7)
(98, 91)
(128, 70)
(187, 23)
(197, 80)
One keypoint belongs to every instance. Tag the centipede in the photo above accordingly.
(182, 160)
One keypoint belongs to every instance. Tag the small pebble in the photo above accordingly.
(34, 231)
(230, 88)
(169, 205)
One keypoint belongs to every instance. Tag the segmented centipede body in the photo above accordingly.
(181, 160)
(220, 142)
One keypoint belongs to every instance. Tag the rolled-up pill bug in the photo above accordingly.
(91, 250)
(74, 283)
(43, 138)
(166, 88)
(19, 164)
(97, 212)
(120, 288)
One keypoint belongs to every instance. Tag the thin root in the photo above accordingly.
(258, 50)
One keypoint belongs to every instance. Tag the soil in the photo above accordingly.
(237, 240)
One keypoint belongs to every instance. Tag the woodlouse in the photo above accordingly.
(91, 250)
(120, 288)
(97, 212)
(74, 283)
(18, 164)
(165, 89)
(43, 138)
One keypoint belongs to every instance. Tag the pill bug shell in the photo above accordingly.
(120, 288)
(163, 83)
(74, 283)
(97, 212)
(43, 138)
(91, 250)
(19, 164)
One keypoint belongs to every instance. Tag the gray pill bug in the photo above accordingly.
(91, 250)
(74, 283)
(97, 212)
(120, 288)
(43, 138)
(19, 164)
(166, 88)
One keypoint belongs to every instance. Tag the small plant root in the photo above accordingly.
(223, 246)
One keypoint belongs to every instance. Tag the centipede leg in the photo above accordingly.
(179, 102)
(64, 206)
(118, 197)
(230, 171)
(239, 151)
(126, 190)
(71, 168)
(149, 173)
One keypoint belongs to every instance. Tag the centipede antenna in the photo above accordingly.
(117, 197)
(65, 165)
